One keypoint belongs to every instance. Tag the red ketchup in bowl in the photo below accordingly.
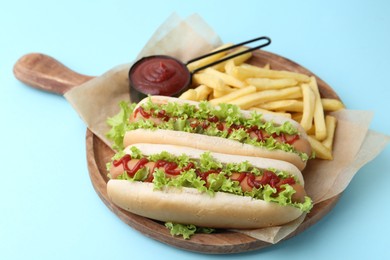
(158, 75)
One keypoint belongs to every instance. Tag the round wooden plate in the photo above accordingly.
(98, 154)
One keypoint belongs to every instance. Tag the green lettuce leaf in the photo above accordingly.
(240, 135)
(135, 153)
(255, 120)
(159, 179)
(141, 174)
(306, 206)
(186, 231)
(118, 124)
(188, 179)
(207, 162)
(219, 182)
(244, 166)
(283, 197)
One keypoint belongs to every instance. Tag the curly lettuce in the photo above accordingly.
(186, 231)
(119, 124)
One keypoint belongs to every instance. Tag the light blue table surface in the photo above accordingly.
(48, 207)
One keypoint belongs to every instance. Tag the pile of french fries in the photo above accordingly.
(290, 94)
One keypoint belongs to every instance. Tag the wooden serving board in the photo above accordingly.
(43, 72)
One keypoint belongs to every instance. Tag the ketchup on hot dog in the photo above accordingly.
(260, 135)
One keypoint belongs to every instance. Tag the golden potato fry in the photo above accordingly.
(237, 60)
(221, 93)
(319, 117)
(236, 94)
(331, 123)
(297, 116)
(312, 130)
(265, 111)
(267, 66)
(291, 105)
(308, 107)
(202, 92)
(249, 71)
(229, 67)
(254, 99)
(189, 95)
(211, 81)
(203, 62)
(319, 149)
(265, 83)
(330, 104)
(226, 78)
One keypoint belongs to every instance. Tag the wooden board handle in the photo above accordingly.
(46, 73)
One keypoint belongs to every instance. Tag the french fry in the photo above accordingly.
(308, 107)
(226, 78)
(229, 67)
(202, 92)
(189, 95)
(330, 104)
(319, 117)
(245, 71)
(242, 73)
(251, 100)
(319, 149)
(221, 93)
(296, 116)
(237, 60)
(265, 83)
(291, 105)
(200, 63)
(265, 111)
(331, 123)
(210, 81)
(236, 94)
(312, 130)
(267, 66)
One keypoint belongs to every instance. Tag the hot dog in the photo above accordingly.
(190, 186)
(223, 129)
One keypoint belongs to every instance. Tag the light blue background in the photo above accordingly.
(49, 209)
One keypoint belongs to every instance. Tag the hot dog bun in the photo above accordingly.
(218, 144)
(189, 206)
(212, 143)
